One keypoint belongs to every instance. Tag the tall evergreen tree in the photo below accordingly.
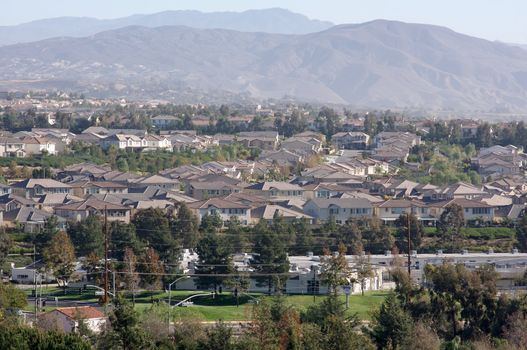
(215, 258)
(270, 257)
(185, 227)
(87, 236)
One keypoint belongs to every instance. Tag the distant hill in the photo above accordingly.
(382, 64)
(268, 21)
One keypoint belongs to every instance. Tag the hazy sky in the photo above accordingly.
(491, 19)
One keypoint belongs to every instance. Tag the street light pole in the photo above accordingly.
(409, 247)
(170, 298)
(314, 268)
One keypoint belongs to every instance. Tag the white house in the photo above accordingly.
(224, 208)
(68, 319)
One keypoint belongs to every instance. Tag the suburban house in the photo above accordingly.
(269, 211)
(157, 142)
(29, 218)
(266, 140)
(68, 319)
(457, 190)
(341, 209)
(12, 147)
(155, 181)
(86, 188)
(38, 145)
(30, 188)
(226, 209)
(498, 161)
(472, 210)
(390, 138)
(350, 140)
(390, 210)
(60, 137)
(164, 121)
(301, 145)
(276, 190)
(204, 190)
(282, 157)
(122, 141)
(78, 211)
(10, 202)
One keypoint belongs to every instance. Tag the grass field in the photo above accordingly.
(222, 307)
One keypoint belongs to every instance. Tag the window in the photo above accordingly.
(480, 211)
(313, 287)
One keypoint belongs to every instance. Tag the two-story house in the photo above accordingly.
(350, 140)
(341, 209)
(30, 188)
(226, 209)
(276, 190)
(79, 211)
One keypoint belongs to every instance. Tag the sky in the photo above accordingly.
(503, 20)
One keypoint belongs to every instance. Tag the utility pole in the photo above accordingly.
(409, 247)
(35, 280)
(105, 299)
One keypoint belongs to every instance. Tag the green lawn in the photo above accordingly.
(222, 307)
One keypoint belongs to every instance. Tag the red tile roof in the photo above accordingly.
(81, 312)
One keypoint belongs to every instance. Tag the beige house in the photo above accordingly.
(79, 211)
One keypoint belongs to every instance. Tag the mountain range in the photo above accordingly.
(273, 20)
(380, 64)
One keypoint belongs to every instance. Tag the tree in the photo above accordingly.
(122, 164)
(153, 227)
(363, 269)
(131, 277)
(5, 245)
(484, 135)
(123, 236)
(329, 120)
(211, 223)
(87, 236)
(391, 324)
(515, 330)
(44, 237)
(450, 223)
(521, 233)
(14, 336)
(214, 259)
(378, 238)
(236, 235)
(351, 235)
(304, 237)
(151, 269)
(224, 110)
(59, 257)
(462, 302)
(335, 269)
(125, 331)
(336, 329)
(270, 257)
(185, 227)
(11, 297)
(422, 337)
(94, 268)
(218, 337)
